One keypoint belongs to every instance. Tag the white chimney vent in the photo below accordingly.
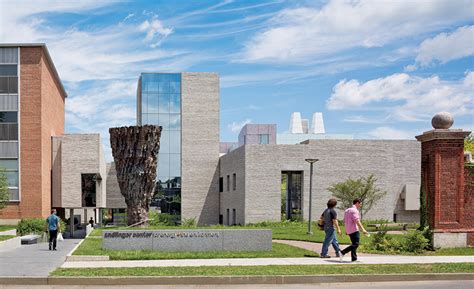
(296, 125)
(317, 125)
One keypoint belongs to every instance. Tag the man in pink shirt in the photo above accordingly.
(351, 222)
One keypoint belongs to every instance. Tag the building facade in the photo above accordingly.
(186, 105)
(32, 112)
(252, 178)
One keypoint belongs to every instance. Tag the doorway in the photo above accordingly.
(291, 195)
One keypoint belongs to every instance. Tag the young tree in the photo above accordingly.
(363, 188)
(4, 192)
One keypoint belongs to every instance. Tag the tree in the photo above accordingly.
(135, 151)
(4, 192)
(363, 188)
(469, 143)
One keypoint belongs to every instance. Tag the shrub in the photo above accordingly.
(428, 234)
(414, 241)
(4, 192)
(31, 226)
(189, 223)
(384, 243)
(162, 219)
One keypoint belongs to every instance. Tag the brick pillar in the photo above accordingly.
(442, 171)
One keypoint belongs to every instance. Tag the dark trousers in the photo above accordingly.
(355, 240)
(53, 235)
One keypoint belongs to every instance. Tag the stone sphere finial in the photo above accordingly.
(442, 120)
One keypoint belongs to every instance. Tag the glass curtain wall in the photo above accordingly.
(9, 118)
(161, 105)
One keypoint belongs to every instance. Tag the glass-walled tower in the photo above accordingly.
(159, 103)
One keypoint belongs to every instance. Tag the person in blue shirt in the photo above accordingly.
(53, 228)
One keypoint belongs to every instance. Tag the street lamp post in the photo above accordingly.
(311, 162)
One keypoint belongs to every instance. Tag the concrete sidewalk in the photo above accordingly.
(269, 261)
(34, 260)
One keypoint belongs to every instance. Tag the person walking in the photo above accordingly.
(330, 225)
(353, 224)
(53, 228)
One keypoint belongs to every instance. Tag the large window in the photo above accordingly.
(161, 105)
(89, 185)
(234, 182)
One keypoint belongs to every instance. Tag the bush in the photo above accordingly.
(384, 243)
(189, 223)
(31, 226)
(162, 219)
(414, 241)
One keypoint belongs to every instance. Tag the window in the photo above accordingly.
(221, 184)
(228, 183)
(234, 182)
(234, 217)
(228, 217)
(88, 182)
(9, 84)
(11, 172)
(8, 116)
(8, 70)
(8, 131)
(263, 138)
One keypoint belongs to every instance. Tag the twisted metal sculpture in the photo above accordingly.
(135, 151)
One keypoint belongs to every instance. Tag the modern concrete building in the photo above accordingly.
(79, 175)
(252, 175)
(257, 134)
(186, 105)
(31, 113)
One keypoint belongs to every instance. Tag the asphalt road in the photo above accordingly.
(358, 285)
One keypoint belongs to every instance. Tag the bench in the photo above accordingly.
(387, 226)
(29, 239)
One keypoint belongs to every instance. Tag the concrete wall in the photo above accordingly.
(394, 163)
(80, 154)
(115, 200)
(250, 133)
(200, 147)
(233, 199)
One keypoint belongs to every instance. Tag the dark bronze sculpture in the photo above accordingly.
(135, 151)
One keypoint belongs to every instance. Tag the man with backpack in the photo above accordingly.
(53, 227)
(329, 218)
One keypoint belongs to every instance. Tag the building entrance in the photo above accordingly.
(291, 188)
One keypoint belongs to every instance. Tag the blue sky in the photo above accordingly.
(376, 69)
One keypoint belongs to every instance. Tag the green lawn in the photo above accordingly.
(7, 227)
(93, 246)
(270, 270)
(6, 237)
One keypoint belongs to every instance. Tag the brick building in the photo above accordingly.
(31, 112)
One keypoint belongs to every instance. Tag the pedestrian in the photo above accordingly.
(53, 228)
(91, 222)
(329, 217)
(353, 224)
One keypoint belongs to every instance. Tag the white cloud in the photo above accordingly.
(304, 33)
(237, 126)
(446, 47)
(155, 31)
(384, 132)
(364, 119)
(411, 98)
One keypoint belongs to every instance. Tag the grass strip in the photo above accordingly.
(7, 227)
(269, 270)
(93, 246)
(6, 237)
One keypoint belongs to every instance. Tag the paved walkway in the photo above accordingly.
(317, 247)
(269, 261)
(35, 260)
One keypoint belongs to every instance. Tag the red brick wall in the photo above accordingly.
(443, 167)
(52, 124)
(41, 115)
(469, 196)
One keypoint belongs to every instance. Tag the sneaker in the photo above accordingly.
(54, 249)
(325, 256)
(341, 256)
(50, 247)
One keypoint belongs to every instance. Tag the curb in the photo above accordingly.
(230, 280)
